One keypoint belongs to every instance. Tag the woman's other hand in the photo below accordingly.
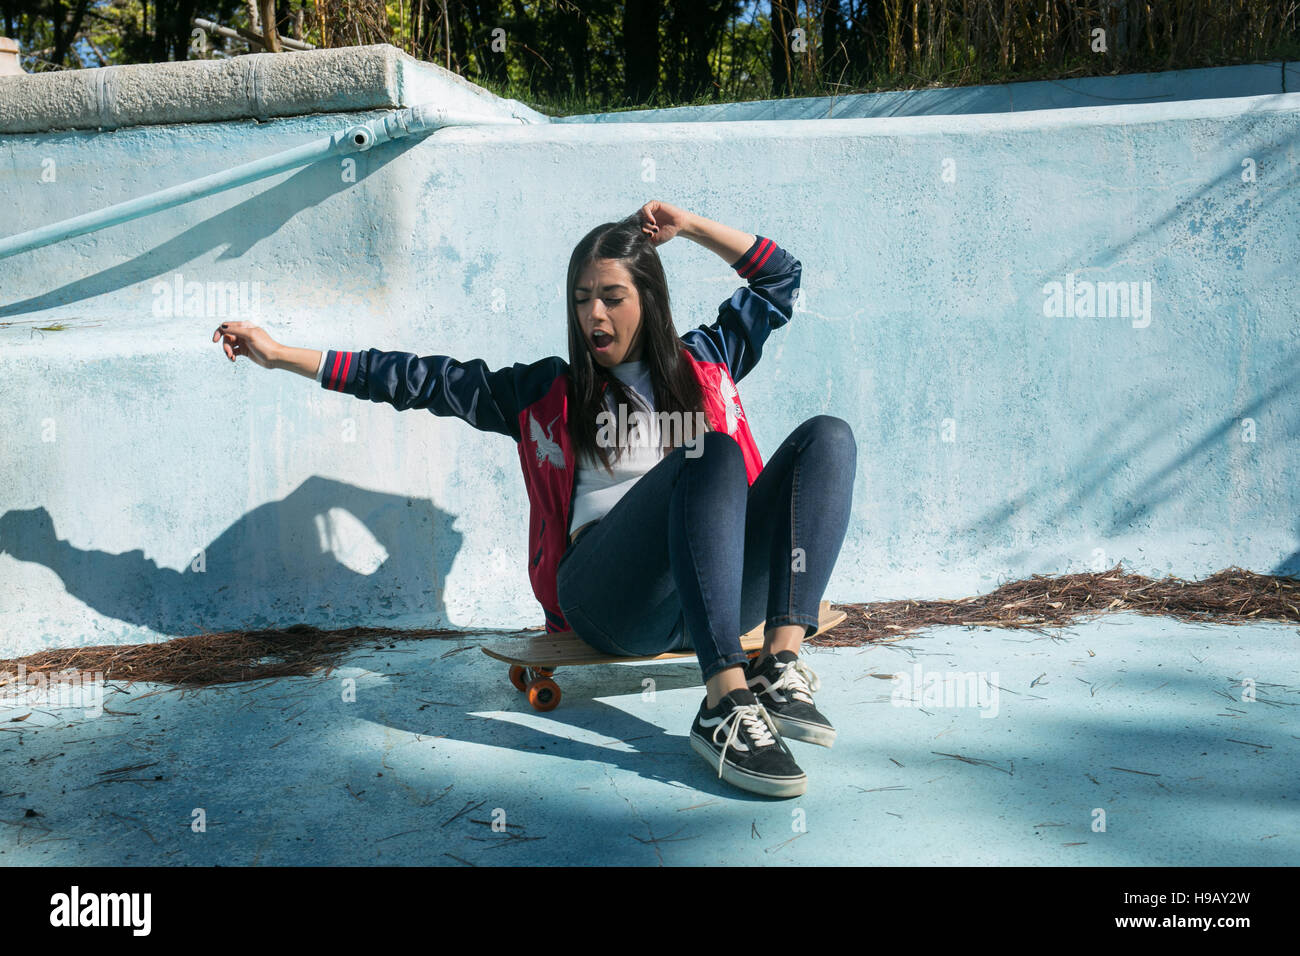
(251, 341)
(661, 221)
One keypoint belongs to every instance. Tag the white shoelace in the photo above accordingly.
(755, 720)
(798, 678)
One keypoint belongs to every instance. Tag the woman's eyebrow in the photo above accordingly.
(607, 288)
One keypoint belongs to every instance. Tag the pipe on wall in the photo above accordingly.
(399, 124)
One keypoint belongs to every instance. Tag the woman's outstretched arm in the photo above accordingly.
(491, 401)
(253, 342)
(303, 361)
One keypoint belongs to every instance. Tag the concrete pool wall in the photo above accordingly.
(150, 488)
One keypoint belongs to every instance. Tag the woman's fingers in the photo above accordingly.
(650, 225)
(233, 336)
(230, 343)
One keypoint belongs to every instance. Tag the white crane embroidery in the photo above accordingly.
(547, 448)
(730, 400)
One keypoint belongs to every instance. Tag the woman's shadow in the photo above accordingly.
(328, 552)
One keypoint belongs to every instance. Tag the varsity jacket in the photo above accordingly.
(530, 402)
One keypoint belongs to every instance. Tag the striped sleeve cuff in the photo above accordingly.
(761, 258)
(339, 370)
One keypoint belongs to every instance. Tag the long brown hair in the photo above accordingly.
(676, 388)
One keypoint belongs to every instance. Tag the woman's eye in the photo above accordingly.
(612, 302)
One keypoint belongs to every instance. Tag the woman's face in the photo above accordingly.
(609, 312)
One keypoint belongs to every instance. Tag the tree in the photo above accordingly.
(640, 45)
(692, 32)
(785, 15)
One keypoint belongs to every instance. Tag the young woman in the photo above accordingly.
(655, 525)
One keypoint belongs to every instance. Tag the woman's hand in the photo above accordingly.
(251, 341)
(661, 221)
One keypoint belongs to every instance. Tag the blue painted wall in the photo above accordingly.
(149, 488)
(1171, 86)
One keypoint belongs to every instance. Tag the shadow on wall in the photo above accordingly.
(1290, 565)
(327, 553)
(1112, 451)
(231, 234)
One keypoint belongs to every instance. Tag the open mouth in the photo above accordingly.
(601, 340)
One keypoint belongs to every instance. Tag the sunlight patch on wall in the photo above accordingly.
(343, 535)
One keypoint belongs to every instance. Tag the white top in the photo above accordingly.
(596, 491)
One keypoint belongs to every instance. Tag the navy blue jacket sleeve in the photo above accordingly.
(746, 319)
(470, 391)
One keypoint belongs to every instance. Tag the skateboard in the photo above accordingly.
(533, 660)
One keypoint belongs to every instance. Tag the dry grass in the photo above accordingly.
(224, 657)
(1232, 596)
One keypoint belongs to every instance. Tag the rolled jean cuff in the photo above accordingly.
(722, 663)
(811, 624)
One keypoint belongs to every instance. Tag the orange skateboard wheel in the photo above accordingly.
(544, 694)
(517, 678)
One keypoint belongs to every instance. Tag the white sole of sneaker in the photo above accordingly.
(753, 782)
(808, 733)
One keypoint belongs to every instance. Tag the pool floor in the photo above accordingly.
(1125, 740)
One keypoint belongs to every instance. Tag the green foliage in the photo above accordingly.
(578, 56)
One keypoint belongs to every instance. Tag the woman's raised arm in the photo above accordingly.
(661, 222)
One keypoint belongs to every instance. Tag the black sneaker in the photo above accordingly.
(784, 685)
(738, 738)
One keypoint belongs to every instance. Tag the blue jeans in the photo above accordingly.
(693, 556)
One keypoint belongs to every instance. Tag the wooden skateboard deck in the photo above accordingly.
(534, 659)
